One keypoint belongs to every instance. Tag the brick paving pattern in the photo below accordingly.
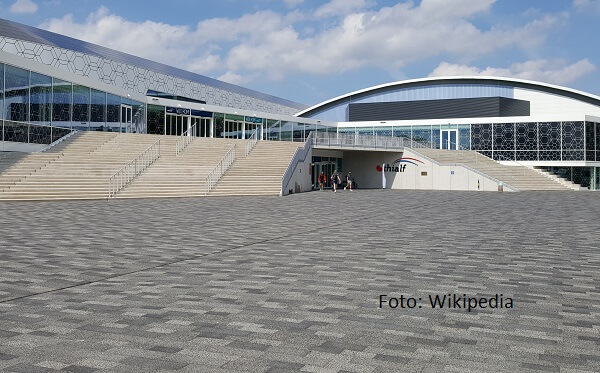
(292, 284)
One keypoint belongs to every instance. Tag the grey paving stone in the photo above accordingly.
(283, 284)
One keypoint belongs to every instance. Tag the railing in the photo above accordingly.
(31, 133)
(185, 139)
(299, 156)
(131, 170)
(214, 176)
(251, 142)
(508, 186)
(367, 141)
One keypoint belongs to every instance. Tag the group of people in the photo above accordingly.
(335, 180)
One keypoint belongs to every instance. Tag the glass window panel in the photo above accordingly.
(81, 105)
(527, 155)
(549, 136)
(572, 135)
(138, 116)
(421, 133)
(464, 137)
(273, 129)
(526, 134)
(384, 131)
(1, 91)
(404, 131)
(41, 98)
(589, 136)
(16, 95)
(156, 119)
(298, 132)
(481, 137)
(97, 108)
(287, 131)
(504, 136)
(61, 102)
(219, 125)
(113, 108)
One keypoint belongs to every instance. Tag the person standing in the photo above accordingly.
(335, 179)
(321, 180)
(348, 181)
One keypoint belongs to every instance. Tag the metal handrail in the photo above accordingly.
(251, 142)
(299, 156)
(367, 141)
(466, 167)
(131, 170)
(217, 172)
(185, 139)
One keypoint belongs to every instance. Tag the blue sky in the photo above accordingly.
(309, 51)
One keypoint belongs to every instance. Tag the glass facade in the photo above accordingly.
(30, 97)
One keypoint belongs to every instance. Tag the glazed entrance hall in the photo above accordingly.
(298, 290)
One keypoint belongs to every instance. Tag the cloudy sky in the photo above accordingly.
(309, 51)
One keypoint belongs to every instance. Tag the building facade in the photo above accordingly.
(51, 83)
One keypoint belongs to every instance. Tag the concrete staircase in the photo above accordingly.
(260, 173)
(563, 181)
(77, 168)
(183, 175)
(520, 177)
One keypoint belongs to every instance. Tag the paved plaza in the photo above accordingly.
(285, 284)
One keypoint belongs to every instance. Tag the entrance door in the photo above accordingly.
(327, 168)
(233, 130)
(126, 118)
(448, 139)
(250, 128)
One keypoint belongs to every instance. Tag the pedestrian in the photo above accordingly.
(322, 179)
(348, 181)
(335, 179)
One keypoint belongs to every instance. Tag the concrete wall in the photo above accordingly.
(424, 175)
(301, 176)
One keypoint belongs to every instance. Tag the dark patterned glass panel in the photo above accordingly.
(526, 136)
(481, 137)
(156, 119)
(582, 176)
(62, 96)
(504, 155)
(113, 107)
(572, 135)
(572, 155)
(39, 134)
(597, 137)
(504, 136)
(549, 155)
(590, 155)
(1, 91)
(16, 95)
(590, 136)
(527, 155)
(57, 133)
(486, 153)
(549, 136)
(464, 138)
(81, 104)
(97, 108)
(41, 98)
(16, 132)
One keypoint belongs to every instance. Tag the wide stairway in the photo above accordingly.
(77, 168)
(520, 177)
(260, 173)
(182, 175)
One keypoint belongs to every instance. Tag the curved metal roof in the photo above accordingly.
(35, 35)
(432, 81)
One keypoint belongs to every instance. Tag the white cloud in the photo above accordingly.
(549, 71)
(293, 3)
(24, 6)
(341, 7)
(272, 45)
(587, 5)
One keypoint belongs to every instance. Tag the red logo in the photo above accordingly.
(378, 168)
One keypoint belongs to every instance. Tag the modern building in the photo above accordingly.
(51, 83)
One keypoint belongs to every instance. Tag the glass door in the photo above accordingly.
(126, 118)
(233, 130)
(448, 140)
